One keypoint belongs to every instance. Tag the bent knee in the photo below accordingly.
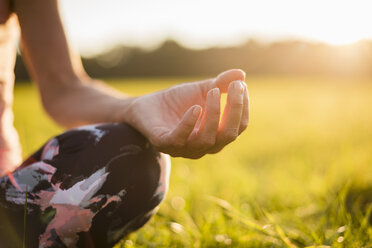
(129, 158)
(138, 175)
(132, 162)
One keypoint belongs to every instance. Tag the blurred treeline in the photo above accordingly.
(289, 58)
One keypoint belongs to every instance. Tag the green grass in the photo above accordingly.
(300, 176)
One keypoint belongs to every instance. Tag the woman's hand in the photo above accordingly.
(184, 120)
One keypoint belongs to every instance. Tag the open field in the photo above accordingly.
(300, 176)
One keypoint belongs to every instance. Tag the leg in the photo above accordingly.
(88, 187)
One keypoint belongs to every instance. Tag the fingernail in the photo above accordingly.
(216, 92)
(238, 86)
(196, 110)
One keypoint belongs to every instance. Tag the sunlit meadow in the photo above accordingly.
(300, 176)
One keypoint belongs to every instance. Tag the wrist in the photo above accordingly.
(9, 160)
(126, 111)
(10, 150)
(9, 138)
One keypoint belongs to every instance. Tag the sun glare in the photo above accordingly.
(340, 40)
(336, 22)
(201, 24)
(336, 37)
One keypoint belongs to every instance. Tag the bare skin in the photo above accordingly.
(183, 120)
(10, 149)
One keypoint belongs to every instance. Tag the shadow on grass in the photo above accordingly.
(359, 201)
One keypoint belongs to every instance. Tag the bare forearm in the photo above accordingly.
(10, 149)
(68, 94)
(85, 102)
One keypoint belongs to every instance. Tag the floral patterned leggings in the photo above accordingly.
(88, 187)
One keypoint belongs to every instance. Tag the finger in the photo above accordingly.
(245, 114)
(181, 132)
(230, 124)
(223, 80)
(205, 137)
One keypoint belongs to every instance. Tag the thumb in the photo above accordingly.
(223, 80)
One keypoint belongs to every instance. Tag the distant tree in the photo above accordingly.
(279, 58)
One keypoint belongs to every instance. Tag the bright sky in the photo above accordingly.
(94, 25)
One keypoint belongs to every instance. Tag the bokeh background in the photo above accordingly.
(301, 175)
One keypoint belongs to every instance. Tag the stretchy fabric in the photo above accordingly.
(88, 187)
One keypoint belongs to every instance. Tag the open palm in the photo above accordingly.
(184, 120)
